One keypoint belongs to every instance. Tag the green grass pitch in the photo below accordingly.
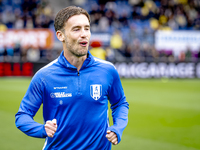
(163, 115)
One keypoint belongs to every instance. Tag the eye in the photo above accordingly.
(76, 29)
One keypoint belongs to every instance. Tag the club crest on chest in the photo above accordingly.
(95, 91)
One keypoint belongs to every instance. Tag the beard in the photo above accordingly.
(78, 53)
(75, 49)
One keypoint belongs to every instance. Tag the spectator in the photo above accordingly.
(110, 54)
(136, 53)
(116, 41)
(33, 55)
(17, 51)
(2, 49)
(3, 27)
(198, 55)
(97, 50)
(10, 52)
(182, 56)
(188, 54)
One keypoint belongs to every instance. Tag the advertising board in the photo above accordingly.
(158, 70)
(126, 70)
(37, 38)
(177, 41)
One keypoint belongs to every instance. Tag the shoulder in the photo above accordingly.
(47, 69)
(105, 66)
(39, 80)
(103, 63)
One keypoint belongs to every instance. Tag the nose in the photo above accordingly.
(84, 33)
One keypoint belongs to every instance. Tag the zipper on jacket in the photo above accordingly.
(79, 82)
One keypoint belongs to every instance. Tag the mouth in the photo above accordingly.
(83, 43)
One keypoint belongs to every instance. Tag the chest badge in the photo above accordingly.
(95, 91)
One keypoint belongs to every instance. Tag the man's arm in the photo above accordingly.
(28, 108)
(119, 107)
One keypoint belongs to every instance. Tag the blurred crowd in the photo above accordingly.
(131, 24)
(26, 14)
(20, 14)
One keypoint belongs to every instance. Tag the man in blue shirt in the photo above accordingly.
(74, 90)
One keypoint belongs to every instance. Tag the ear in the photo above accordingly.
(60, 36)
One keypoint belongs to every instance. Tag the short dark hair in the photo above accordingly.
(64, 14)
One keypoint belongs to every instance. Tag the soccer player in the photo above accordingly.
(74, 89)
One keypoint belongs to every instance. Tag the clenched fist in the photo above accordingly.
(51, 127)
(112, 137)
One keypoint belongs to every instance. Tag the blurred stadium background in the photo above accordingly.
(154, 44)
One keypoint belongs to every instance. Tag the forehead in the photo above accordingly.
(77, 20)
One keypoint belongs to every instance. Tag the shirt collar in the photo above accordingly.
(89, 60)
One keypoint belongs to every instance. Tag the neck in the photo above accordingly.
(75, 61)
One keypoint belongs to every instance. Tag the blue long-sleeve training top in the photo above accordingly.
(79, 103)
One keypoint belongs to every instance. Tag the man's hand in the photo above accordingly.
(51, 127)
(112, 137)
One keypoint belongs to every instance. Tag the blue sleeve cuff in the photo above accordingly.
(44, 133)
